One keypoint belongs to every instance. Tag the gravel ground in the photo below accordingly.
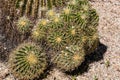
(107, 66)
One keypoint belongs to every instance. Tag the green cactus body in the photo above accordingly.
(66, 14)
(40, 30)
(38, 34)
(74, 35)
(81, 19)
(94, 18)
(56, 22)
(93, 23)
(91, 31)
(27, 61)
(91, 43)
(69, 58)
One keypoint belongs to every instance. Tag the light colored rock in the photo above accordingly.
(3, 70)
(56, 74)
(9, 77)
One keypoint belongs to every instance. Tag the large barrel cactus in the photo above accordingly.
(28, 61)
(68, 28)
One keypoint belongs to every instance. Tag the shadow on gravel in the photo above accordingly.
(97, 55)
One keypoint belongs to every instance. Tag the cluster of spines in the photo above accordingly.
(57, 40)
(74, 34)
(28, 61)
(40, 30)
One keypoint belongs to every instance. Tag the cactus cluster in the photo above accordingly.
(68, 27)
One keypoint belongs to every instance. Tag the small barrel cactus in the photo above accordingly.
(69, 58)
(39, 31)
(68, 28)
(27, 61)
(23, 25)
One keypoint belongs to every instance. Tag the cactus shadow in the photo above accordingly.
(97, 55)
